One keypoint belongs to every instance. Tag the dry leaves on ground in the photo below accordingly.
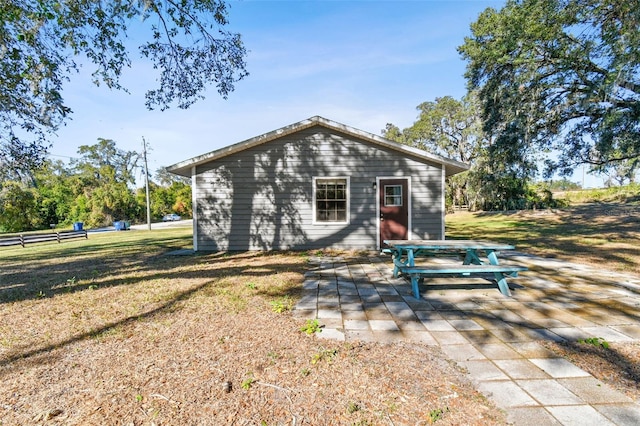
(196, 341)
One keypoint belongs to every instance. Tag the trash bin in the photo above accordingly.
(77, 226)
(121, 225)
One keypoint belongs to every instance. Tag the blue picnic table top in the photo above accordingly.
(447, 245)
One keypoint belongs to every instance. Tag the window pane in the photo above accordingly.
(393, 195)
(331, 200)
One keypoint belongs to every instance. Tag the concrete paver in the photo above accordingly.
(521, 369)
(507, 394)
(549, 392)
(583, 415)
(559, 367)
(593, 391)
(493, 337)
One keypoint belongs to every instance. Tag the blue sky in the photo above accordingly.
(360, 63)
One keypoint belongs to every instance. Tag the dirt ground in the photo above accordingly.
(204, 366)
(137, 348)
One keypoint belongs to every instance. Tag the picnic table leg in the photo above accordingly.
(397, 262)
(502, 283)
(411, 260)
(501, 278)
(493, 257)
(472, 258)
(415, 280)
(396, 268)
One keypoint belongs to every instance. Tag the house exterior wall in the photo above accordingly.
(261, 198)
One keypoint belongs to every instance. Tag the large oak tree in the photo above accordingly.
(560, 76)
(41, 42)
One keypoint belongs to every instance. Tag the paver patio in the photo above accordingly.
(492, 336)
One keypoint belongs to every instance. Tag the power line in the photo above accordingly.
(63, 156)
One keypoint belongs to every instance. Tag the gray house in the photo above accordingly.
(315, 184)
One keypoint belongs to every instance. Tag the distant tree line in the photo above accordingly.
(97, 189)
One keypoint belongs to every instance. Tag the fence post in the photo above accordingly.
(22, 240)
(58, 236)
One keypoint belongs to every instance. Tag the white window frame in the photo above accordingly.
(314, 201)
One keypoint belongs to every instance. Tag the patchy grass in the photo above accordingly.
(620, 194)
(587, 233)
(112, 330)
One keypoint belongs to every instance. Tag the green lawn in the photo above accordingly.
(594, 232)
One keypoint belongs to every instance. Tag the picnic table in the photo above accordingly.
(480, 257)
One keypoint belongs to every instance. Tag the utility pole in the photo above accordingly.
(146, 182)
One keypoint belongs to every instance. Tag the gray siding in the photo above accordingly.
(261, 198)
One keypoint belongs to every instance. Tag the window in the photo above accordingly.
(392, 195)
(331, 202)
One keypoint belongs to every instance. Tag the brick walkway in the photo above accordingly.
(492, 336)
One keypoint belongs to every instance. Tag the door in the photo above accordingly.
(393, 195)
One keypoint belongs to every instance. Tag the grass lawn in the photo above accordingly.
(607, 233)
(113, 330)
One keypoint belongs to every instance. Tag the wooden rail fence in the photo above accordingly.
(23, 239)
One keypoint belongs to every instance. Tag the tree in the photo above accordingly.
(621, 172)
(501, 166)
(447, 127)
(106, 161)
(165, 199)
(562, 74)
(18, 207)
(41, 40)
(564, 185)
(103, 181)
(55, 194)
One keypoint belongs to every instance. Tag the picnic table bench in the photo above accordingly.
(405, 252)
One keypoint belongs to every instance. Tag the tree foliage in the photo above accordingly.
(97, 189)
(17, 207)
(40, 41)
(563, 185)
(104, 161)
(560, 76)
(447, 127)
(501, 169)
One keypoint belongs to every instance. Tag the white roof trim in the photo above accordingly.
(184, 168)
